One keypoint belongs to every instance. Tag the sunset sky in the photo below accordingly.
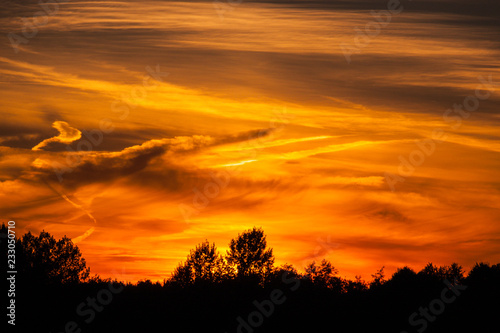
(141, 128)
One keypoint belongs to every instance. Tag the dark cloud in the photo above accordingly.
(479, 8)
(132, 162)
(17, 135)
(103, 169)
(390, 214)
(50, 115)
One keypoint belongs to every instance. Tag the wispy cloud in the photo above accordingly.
(67, 134)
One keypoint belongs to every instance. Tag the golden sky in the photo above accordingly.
(140, 129)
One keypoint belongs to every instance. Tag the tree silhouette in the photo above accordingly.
(249, 256)
(429, 271)
(203, 265)
(216, 301)
(358, 285)
(323, 276)
(438, 274)
(403, 277)
(182, 275)
(378, 278)
(47, 260)
(454, 272)
(484, 274)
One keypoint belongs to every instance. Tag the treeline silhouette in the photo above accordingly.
(243, 291)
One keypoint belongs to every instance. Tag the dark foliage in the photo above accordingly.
(212, 293)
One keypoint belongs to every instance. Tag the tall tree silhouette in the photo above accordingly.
(204, 264)
(47, 260)
(249, 255)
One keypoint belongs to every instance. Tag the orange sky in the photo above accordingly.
(259, 111)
